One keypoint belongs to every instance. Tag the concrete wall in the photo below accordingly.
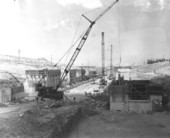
(118, 103)
(8, 94)
(140, 106)
(18, 96)
(17, 92)
(5, 95)
(76, 75)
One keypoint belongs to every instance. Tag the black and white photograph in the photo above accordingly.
(84, 68)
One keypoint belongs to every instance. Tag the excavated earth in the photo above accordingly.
(42, 119)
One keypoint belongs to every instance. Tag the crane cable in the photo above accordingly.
(74, 38)
(72, 44)
(119, 33)
(97, 8)
(68, 51)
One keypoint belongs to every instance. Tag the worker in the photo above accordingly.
(37, 98)
(74, 99)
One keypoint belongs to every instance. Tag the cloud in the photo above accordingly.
(150, 5)
(85, 3)
(162, 4)
(61, 23)
(50, 26)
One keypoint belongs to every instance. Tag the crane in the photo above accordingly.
(81, 43)
(48, 92)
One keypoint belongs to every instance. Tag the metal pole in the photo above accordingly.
(111, 65)
(103, 55)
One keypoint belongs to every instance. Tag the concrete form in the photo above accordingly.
(141, 98)
(52, 77)
(76, 75)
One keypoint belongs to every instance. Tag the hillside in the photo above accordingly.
(39, 62)
(152, 70)
(159, 68)
(17, 66)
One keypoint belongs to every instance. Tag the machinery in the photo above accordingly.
(103, 81)
(49, 92)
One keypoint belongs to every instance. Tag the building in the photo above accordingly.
(92, 74)
(11, 89)
(138, 96)
(76, 75)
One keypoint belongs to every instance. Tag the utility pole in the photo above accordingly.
(103, 55)
(111, 65)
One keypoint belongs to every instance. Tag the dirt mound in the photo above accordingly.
(41, 120)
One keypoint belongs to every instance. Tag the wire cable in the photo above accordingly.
(97, 8)
(119, 33)
(73, 39)
(72, 44)
(69, 49)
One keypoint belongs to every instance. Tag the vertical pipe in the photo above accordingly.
(111, 65)
(103, 55)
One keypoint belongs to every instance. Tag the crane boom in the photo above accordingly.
(81, 43)
(108, 8)
(74, 56)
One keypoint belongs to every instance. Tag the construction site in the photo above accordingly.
(111, 82)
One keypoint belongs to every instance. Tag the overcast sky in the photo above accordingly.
(41, 28)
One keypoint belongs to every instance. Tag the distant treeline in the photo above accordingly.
(152, 61)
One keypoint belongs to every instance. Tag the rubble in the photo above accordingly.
(95, 104)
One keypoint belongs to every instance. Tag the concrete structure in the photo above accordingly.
(92, 74)
(11, 88)
(17, 92)
(135, 96)
(5, 95)
(125, 72)
(8, 94)
(76, 75)
(51, 79)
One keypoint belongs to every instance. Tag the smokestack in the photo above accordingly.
(103, 55)
(111, 65)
